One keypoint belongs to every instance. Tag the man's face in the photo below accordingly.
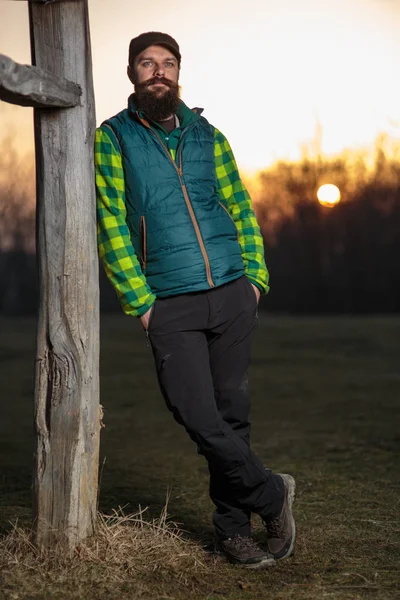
(156, 69)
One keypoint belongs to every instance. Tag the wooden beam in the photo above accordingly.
(30, 86)
(46, 1)
(67, 410)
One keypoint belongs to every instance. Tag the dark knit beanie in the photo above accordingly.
(153, 38)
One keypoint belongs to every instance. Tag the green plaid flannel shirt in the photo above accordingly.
(115, 247)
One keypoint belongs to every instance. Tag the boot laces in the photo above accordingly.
(275, 527)
(244, 542)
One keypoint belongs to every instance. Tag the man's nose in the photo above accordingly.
(159, 71)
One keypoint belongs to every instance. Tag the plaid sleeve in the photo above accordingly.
(236, 199)
(115, 246)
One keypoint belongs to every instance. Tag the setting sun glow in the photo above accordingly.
(328, 195)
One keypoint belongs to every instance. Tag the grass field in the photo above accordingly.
(326, 402)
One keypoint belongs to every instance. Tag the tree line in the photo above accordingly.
(343, 259)
(321, 260)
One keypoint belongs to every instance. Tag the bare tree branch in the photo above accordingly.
(31, 86)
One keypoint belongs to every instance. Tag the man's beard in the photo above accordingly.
(155, 106)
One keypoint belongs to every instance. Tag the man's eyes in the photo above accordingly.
(149, 63)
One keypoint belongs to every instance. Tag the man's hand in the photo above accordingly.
(144, 319)
(257, 292)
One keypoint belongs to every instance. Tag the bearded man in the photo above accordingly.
(181, 246)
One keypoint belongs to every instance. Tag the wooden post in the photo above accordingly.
(67, 412)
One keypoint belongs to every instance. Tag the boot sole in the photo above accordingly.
(263, 564)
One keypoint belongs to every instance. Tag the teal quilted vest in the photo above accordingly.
(183, 236)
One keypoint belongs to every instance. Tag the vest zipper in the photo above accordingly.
(231, 218)
(187, 201)
(194, 220)
(143, 241)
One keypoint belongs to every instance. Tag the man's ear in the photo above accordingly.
(130, 73)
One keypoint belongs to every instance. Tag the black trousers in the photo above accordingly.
(201, 344)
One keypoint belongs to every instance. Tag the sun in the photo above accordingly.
(328, 195)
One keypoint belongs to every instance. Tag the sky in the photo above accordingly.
(268, 73)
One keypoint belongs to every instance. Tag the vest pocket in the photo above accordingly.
(143, 243)
(230, 216)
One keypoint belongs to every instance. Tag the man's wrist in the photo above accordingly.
(142, 310)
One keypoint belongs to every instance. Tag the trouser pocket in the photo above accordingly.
(151, 316)
(252, 292)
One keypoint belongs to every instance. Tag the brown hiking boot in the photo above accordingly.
(281, 529)
(243, 550)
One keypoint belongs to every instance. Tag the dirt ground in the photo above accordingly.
(326, 404)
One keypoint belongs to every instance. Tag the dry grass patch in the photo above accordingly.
(126, 548)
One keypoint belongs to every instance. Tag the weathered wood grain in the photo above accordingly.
(30, 86)
(45, 1)
(67, 412)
